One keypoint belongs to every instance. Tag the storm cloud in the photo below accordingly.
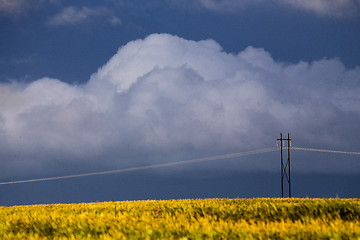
(167, 97)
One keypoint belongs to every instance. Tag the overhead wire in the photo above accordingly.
(324, 150)
(152, 166)
(177, 163)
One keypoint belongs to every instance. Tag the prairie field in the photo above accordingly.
(186, 219)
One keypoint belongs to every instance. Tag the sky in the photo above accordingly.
(92, 86)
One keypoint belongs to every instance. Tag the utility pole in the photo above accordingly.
(281, 165)
(288, 164)
(285, 169)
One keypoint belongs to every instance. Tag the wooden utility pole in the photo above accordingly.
(285, 169)
(288, 163)
(281, 165)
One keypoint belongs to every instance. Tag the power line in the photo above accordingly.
(169, 164)
(324, 150)
(153, 166)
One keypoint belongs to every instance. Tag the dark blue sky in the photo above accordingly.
(73, 51)
(91, 86)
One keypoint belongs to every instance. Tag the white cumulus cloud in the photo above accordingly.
(166, 98)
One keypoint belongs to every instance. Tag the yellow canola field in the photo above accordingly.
(186, 219)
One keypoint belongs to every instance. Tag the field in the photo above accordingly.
(186, 219)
